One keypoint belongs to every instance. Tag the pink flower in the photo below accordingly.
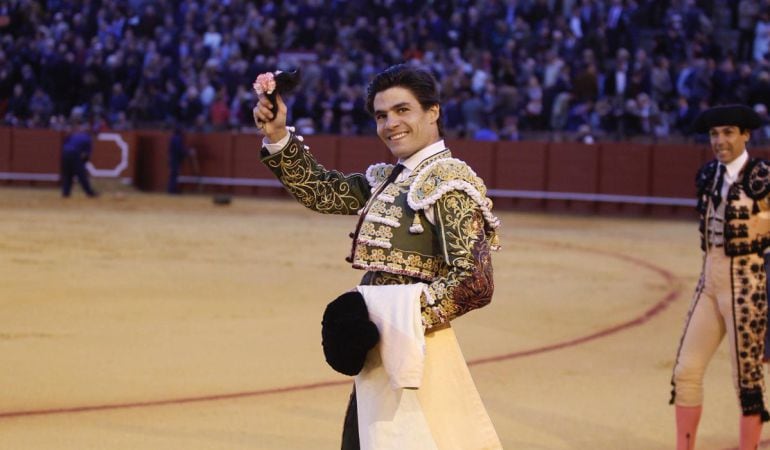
(264, 84)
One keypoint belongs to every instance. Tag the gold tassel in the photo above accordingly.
(416, 227)
(494, 242)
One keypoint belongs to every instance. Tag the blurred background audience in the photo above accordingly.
(509, 69)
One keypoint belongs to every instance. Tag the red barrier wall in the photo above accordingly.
(624, 170)
(245, 162)
(152, 158)
(673, 170)
(608, 168)
(355, 154)
(5, 149)
(521, 166)
(572, 168)
(215, 153)
(673, 175)
(479, 155)
(35, 151)
(106, 155)
(325, 149)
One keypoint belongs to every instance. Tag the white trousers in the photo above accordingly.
(711, 318)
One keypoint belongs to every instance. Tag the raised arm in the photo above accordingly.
(287, 156)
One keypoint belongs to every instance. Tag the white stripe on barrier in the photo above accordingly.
(495, 193)
(579, 196)
(15, 176)
(498, 193)
(223, 181)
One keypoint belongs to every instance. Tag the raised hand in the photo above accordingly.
(269, 87)
(271, 124)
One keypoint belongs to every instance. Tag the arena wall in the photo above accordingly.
(606, 178)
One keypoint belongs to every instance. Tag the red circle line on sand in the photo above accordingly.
(657, 308)
(660, 305)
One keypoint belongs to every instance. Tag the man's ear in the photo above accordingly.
(435, 112)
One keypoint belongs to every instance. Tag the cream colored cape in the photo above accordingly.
(445, 411)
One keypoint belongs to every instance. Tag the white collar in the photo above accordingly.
(735, 166)
(413, 161)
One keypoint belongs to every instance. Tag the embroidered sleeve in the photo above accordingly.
(325, 191)
(468, 283)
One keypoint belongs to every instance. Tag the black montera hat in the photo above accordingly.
(347, 334)
(737, 115)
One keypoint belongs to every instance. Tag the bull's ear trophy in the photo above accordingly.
(278, 82)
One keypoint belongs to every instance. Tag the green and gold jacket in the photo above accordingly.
(395, 242)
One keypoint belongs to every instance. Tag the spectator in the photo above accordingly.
(486, 133)
(121, 122)
(177, 153)
(40, 105)
(661, 84)
(586, 87)
(76, 152)
(748, 12)
(219, 112)
(17, 110)
(649, 116)
(534, 108)
(722, 81)
(760, 89)
(585, 135)
(617, 79)
(761, 136)
(762, 37)
(510, 129)
(472, 111)
(118, 101)
(685, 114)
(615, 25)
(560, 111)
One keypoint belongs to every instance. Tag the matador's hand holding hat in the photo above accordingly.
(270, 84)
(347, 333)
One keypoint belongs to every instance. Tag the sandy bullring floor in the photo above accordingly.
(152, 322)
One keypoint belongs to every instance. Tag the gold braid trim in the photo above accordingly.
(450, 174)
(377, 173)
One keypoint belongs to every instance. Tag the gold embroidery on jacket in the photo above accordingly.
(468, 283)
(328, 192)
(392, 213)
(449, 174)
(424, 267)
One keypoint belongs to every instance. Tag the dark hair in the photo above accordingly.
(418, 81)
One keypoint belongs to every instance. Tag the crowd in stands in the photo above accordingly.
(586, 69)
